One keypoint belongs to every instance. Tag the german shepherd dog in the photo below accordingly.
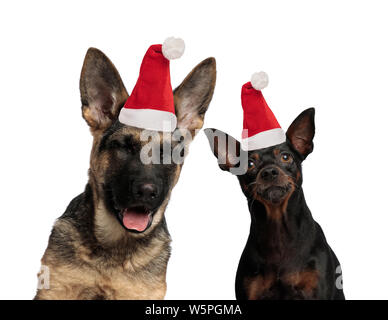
(91, 254)
(286, 255)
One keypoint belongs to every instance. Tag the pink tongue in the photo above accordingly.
(135, 220)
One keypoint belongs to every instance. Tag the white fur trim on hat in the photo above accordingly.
(173, 48)
(264, 139)
(148, 119)
(259, 80)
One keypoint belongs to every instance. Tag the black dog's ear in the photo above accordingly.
(194, 94)
(226, 148)
(301, 132)
(102, 90)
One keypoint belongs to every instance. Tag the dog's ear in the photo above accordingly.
(194, 94)
(102, 90)
(226, 148)
(301, 132)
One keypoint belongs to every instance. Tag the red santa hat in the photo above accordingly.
(261, 129)
(151, 103)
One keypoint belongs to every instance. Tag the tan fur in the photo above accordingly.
(107, 261)
(90, 278)
(278, 210)
(305, 281)
(258, 285)
(67, 282)
(135, 277)
(131, 278)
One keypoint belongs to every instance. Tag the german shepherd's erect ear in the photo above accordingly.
(102, 91)
(194, 94)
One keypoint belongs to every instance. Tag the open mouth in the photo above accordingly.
(136, 219)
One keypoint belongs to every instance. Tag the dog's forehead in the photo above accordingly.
(273, 151)
(141, 136)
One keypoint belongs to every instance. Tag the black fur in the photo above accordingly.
(90, 255)
(286, 255)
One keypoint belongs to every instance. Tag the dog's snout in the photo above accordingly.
(145, 191)
(269, 174)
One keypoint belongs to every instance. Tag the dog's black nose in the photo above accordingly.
(269, 174)
(145, 191)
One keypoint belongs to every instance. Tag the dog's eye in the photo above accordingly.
(115, 144)
(129, 144)
(251, 164)
(125, 145)
(286, 157)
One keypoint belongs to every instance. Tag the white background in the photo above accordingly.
(331, 55)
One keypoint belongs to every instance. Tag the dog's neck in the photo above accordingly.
(274, 228)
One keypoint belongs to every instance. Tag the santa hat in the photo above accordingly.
(151, 103)
(261, 129)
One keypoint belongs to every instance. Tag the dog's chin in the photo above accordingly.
(136, 219)
(275, 194)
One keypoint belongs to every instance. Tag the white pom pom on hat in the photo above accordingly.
(259, 80)
(173, 48)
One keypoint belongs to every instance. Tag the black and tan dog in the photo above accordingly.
(91, 254)
(286, 255)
